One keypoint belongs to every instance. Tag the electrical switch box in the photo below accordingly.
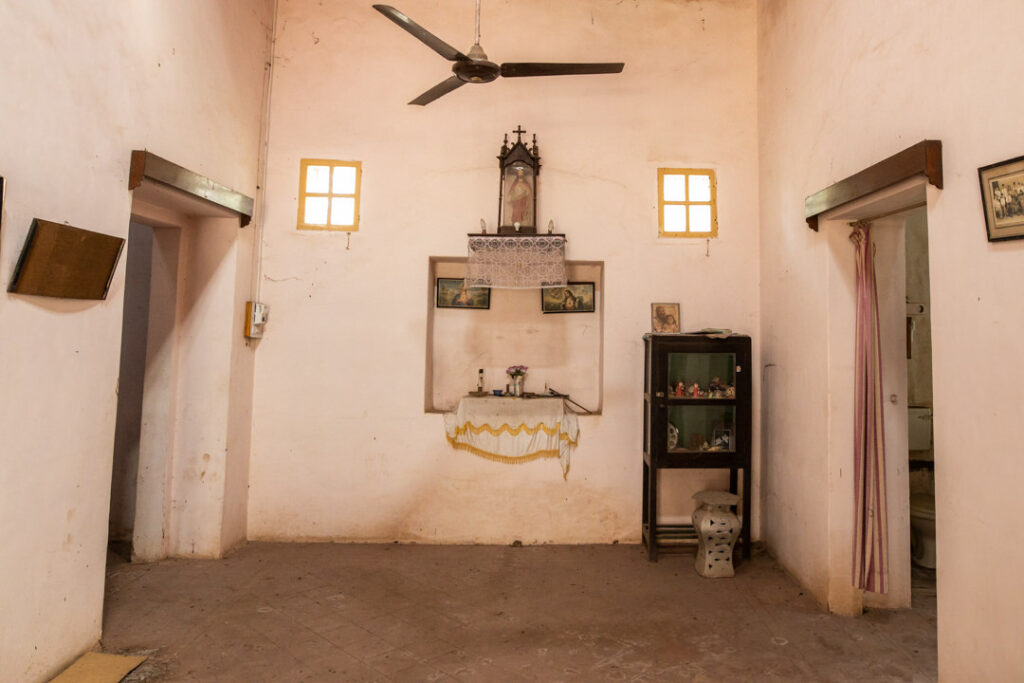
(255, 318)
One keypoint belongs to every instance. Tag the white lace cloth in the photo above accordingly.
(513, 430)
(516, 261)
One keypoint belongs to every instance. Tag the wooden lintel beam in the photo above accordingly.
(148, 166)
(924, 158)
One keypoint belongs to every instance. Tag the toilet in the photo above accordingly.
(922, 505)
(922, 530)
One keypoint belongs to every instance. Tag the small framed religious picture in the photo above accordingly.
(664, 317)
(1002, 197)
(452, 292)
(575, 297)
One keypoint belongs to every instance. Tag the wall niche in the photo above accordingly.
(564, 350)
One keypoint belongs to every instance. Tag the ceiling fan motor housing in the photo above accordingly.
(476, 71)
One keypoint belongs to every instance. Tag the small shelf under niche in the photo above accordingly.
(566, 350)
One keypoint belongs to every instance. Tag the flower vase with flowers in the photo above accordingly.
(517, 373)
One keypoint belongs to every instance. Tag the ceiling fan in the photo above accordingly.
(473, 67)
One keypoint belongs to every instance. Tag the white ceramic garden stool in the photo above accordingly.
(717, 529)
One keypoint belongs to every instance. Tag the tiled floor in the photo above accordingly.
(327, 612)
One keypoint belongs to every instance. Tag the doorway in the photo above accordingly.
(893, 213)
(921, 452)
(145, 408)
(184, 417)
(128, 425)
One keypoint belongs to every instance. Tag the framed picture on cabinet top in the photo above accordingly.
(1002, 197)
(665, 318)
(452, 292)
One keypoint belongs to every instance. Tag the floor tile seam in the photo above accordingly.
(417, 661)
(348, 641)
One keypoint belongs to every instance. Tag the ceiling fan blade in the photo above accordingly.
(442, 88)
(429, 39)
(520, 69)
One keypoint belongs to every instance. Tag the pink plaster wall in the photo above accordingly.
(841, 86)
(84, 84)
(343, 449)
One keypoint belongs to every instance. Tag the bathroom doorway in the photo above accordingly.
(920, 446)
(892, 213)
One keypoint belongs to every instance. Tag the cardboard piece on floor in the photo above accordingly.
(96, 667)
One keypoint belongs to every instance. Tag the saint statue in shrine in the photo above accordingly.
(519, 199)
(519, 196)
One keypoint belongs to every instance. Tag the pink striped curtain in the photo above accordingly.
(870, 549)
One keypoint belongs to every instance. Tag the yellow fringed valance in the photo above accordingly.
(542, 429)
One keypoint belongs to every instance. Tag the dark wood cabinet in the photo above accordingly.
(697, 415)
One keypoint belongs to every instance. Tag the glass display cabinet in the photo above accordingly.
(697, 415)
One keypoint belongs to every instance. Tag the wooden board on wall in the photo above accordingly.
(66, 262)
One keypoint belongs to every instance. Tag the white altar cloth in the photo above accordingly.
(513, 430)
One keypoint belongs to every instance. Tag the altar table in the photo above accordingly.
(513, 430)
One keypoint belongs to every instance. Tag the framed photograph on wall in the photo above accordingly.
(1002, 197)
(575, 297)
(665, 318)
(452, 292)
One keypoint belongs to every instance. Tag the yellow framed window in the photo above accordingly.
(686, 202)
(329, 194)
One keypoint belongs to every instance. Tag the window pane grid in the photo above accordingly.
(329, 195)
(686, 199)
